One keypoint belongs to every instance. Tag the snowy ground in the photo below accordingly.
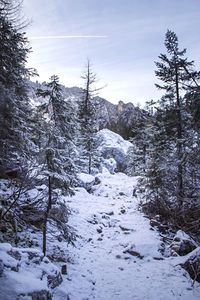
(118, 255)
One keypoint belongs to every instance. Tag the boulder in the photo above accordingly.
(182, 244)
(87, 181)
(111, 145)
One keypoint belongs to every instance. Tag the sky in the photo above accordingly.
(121, 38)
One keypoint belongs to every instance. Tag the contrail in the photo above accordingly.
(66, 37)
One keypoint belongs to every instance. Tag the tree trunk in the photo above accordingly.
(49, 204)
(90, 162)
(89, 156)
(144, 158)
(179, 144)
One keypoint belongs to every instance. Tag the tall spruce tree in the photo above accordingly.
(173, 177)
(15, 109)
(176, 73)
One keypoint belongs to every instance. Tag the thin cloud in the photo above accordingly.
(66, 37)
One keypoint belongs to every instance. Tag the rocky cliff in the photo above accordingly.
(119, 118)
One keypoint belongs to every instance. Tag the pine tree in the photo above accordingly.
(57, 164)
(172, 177)
(176, 73)
(192, 131)
(16, 126)
(11, 10)
(61, 126)
(15, 109)
(140, 139)
(88, 117)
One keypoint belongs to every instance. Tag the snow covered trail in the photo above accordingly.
(117, 257)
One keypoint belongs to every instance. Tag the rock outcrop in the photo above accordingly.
(182, 244)
(111, 145)
(119, 118)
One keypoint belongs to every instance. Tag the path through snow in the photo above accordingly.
(112, 230)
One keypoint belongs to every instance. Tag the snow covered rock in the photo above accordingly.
(110, 164)
(192, 264)
(8, 261)
(54, 280)
(130, 249)
(125, 228)
(182, 244)
(163, 228)
(28, 272)
(112, 145)
(87, 181)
